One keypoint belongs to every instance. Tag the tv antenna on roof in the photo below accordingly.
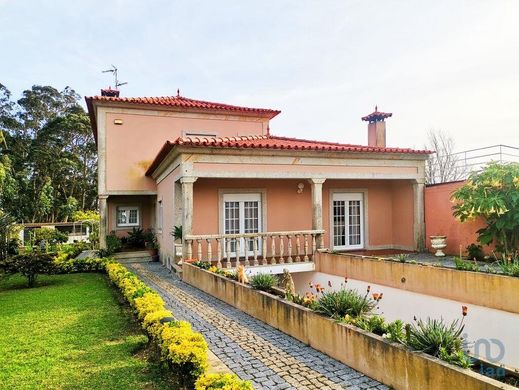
(116, 80)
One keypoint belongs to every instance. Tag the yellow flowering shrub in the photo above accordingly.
(222, 381)
(148, 303)
(182, 348)
(152, 324)
(185, 350)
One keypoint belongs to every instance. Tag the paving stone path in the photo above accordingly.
(252, 349)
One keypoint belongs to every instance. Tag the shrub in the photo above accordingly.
(402, 257)
(337, 304)
(202, 264)
(184, 350)
(81, 265)
(136, 238)
(113, 244)
(395, 331)
(29, 265)
(50, 236)
(475, 252)
(492, 195)
(465, 265)
(509, 265)
(438, 339)
(374, 324)
(222, 381)
(263, 282)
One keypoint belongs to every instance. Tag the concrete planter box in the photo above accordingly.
(389, 363)
(478, 288)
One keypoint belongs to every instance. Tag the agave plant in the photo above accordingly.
(263, 282)
(338, 304)
(439, 339)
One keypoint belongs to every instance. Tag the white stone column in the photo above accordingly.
(187, 208)
(419, 219)
(103, 221)
(317, 206)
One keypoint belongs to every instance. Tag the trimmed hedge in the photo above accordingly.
(183, 349)
(222, 381)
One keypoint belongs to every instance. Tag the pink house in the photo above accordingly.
(239, 191)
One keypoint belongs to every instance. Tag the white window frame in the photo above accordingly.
(241, 198)
(346, 197)
(127, 208)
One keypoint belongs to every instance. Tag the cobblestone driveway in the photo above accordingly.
(251, 348)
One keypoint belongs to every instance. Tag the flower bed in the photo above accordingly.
(395, 364)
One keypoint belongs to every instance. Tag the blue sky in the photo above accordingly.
(450, 65)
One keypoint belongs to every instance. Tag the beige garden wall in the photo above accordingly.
(493, 291)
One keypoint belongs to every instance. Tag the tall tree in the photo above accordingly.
(52, 152)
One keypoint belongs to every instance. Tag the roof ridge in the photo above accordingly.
(179, 100)
(313, 141)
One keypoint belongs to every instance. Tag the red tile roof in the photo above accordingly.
(271, 142)
(173, 101)
(184, 102)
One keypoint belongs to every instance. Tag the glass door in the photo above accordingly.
(242, 214)
(348, 221)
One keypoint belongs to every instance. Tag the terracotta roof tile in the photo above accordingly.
(183, 102)
(272, 142)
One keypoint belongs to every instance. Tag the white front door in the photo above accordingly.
(348, 220)
(242, 214)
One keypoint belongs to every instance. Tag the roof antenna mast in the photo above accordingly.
(116, 80)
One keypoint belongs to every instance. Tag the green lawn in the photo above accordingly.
(71, 332)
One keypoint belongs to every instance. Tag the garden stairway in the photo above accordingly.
(133, 257)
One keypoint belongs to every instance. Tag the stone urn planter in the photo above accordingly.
(439, 243)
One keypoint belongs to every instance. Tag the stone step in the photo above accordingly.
(133, 257)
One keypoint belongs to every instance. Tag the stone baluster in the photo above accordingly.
(255, 250)
(321, 241)
(228, 253)
(246, 251)
(298, 248)
(306, 258)
(289, 245)
(199, 250)
(219, 254)
(238, 247)
(209, 250)
(281, 250)
(189, 249)
(314, 246)
(273, 249)
(264, 245)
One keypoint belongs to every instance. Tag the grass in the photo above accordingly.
(71, 332)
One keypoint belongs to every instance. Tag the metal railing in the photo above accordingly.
(458, 166)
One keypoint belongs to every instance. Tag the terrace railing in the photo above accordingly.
(254, 249)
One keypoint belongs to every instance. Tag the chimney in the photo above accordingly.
(110, 92)
(377, 127)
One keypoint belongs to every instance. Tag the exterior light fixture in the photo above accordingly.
(300, 187)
